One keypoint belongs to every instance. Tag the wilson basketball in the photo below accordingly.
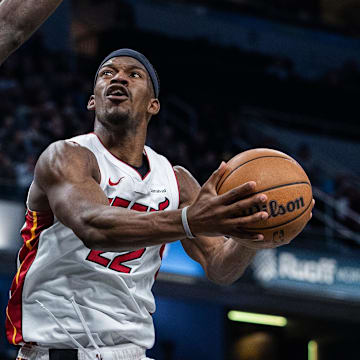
(284, 182)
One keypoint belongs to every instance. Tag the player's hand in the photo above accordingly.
(213, 215)
(257, 242)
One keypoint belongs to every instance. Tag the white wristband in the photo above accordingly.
(186, 224)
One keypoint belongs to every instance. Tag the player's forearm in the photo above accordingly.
(19, 19)
(228, 262)
(114, 229)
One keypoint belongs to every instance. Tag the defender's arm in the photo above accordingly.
(19, 19)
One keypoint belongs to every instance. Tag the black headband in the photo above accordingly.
(139, 57)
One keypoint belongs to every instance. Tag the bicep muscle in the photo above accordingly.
(68, 174)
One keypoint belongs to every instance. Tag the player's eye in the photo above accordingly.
(106, 73)
(135, 74)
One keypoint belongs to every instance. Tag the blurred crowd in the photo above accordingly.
(301, 9)
(340, 15)
(42, 100)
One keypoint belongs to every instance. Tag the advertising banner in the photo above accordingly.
(303, 271)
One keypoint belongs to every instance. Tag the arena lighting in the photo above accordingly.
(312, 350)
(253, 318)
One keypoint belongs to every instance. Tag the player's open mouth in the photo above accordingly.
(117, 97)
(117, 93)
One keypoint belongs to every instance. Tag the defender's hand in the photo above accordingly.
(212, 214)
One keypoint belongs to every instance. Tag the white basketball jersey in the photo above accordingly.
(112, 290)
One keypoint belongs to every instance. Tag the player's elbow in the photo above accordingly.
(91, 238)
(93, 232)
(220, 273)
(221, 279)
(88, 234)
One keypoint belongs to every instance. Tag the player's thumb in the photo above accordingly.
(215, 177)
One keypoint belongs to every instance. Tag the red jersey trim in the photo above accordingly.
(35, 223)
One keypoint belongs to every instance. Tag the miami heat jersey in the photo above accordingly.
(112, 290)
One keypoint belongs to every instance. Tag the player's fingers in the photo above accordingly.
(248, 205)
(247, 236)
(240, 223)
(257, 244)
(215, 176)
(258, 238)
(237, 193)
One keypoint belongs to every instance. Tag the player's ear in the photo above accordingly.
(91, 103)
(154, 107)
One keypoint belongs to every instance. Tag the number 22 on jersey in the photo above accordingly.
(117, 264)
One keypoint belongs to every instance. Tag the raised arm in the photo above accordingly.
(67, 177)
(19, 19)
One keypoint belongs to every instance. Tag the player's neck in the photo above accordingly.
(127, 146)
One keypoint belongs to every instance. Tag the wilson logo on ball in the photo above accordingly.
(274, 209)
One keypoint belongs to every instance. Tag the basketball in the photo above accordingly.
(286, 185)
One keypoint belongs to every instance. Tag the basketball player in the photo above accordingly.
(86, 269)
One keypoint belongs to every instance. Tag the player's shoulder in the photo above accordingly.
(66, 150)
(150, 152)
(181, 171)
(64, 156)
(155, 157)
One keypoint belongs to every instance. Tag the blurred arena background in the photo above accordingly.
(235, 74)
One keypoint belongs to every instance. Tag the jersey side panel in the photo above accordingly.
(35, 224)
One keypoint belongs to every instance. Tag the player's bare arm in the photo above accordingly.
(67, 177)
(19, 19)
(224, 259)
(67, 181)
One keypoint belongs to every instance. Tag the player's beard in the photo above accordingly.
(118, 118)
(121, 120)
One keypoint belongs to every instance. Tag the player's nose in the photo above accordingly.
(119, 78)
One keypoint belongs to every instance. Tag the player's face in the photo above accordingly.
(123, 93)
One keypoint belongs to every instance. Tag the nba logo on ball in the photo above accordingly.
(286, 185)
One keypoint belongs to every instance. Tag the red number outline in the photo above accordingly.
(117, 263)
(95, 256)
